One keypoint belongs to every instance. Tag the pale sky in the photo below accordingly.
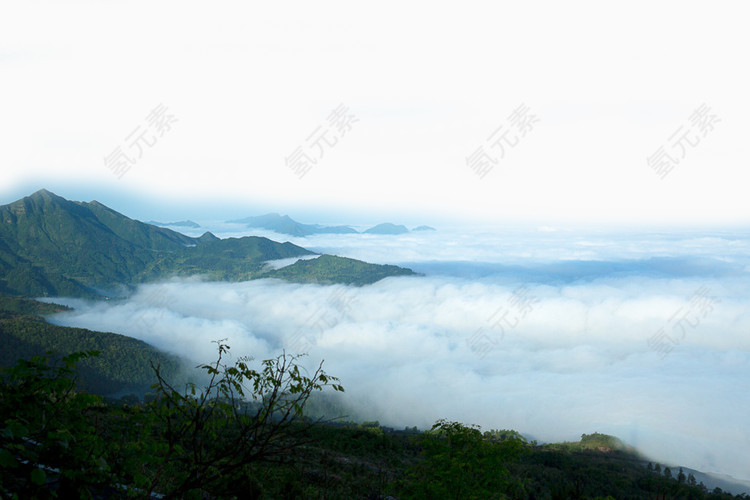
(605, 86)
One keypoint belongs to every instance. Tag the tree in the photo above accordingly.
(667, 472)
(681, 476)
(56, 441)
(213, 437)
(46, 428)
(691, 479)
(462, 463)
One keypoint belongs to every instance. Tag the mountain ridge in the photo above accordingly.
(283, 224)
(50, 246)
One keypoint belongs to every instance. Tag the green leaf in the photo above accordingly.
(38, 477)
(140, 479)
(17, 429)
(7, 459)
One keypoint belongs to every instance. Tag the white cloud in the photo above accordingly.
(578, 359)
(428, 83)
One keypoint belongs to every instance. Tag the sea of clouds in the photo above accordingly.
(553, 333)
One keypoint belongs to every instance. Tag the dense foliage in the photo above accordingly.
(331, 269)
(244, 435)
(58, 442)
(123, 365)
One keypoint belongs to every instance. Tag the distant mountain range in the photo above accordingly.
(182, 223)
(283, 224)
(387, 228)
(50, 246)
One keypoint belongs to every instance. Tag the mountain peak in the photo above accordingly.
(44, 194)
(38, 202)
(208, 236)
(388, 228)
(53, 246)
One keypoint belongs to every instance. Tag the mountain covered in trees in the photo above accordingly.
(50, 246)
(123, 364)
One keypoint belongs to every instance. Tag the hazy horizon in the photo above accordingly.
(622, 115)
(213, 214)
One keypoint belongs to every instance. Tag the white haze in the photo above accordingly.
(577, 361)
(279, 263)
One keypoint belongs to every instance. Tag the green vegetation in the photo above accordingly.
(245, 435)
(595, 441)
(123, 365)
(231, 259)
(10, 306)
(58, 442)
(459, 462)
(50, 246)
(331, 269)
(211, 443)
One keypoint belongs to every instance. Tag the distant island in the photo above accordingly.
(283, 224)
(387, 228)
(182, 223)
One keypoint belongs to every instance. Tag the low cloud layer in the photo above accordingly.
(655, 352)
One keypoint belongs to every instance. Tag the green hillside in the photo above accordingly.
(50, 246)
(230, 259)
(331, 269)
(124, 363)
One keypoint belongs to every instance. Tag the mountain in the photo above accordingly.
(387, 228)
(182, 223)
(50, 246)
(330, 269)
(54, 246)
(283, 224)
